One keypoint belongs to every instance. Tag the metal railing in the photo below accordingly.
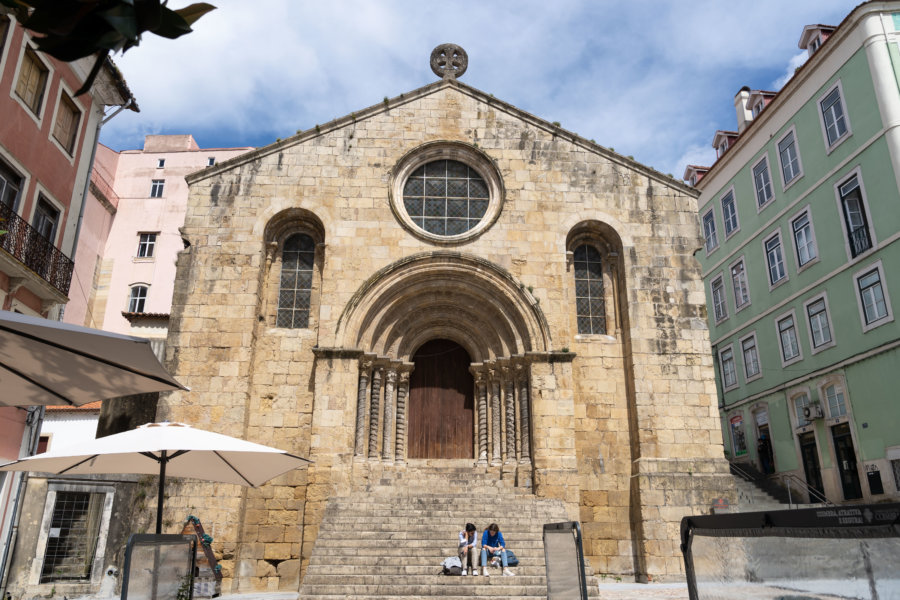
(788, 478)
(33, 250)
(859, 240)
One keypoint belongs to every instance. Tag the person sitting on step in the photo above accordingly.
(492, 542)
(467, 541)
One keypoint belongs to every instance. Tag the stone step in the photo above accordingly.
(419, 545)
(521, 579)
(450, 586)
(432, 560)
(400, 569)
(429, 533)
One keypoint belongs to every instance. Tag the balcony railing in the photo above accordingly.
(859, 240)
(33, 250)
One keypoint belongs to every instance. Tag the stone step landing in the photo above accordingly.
(386, 540)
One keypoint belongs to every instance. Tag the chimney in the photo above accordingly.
(744, 116)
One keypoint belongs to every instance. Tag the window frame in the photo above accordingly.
(720, 278)
(15, 169)
(161, 163)
(725, 385)
(149, 244)
(210, 161)
(762, 161)
(870, 229)
(65, 95)
(132, 298)
(785, 360)
(812, 234)
(740, 261)
(799, 422)
(765, 247)
(312, 283)
(829, 145)
(837, 383)
(748, 377)
(715, 236)
(791, 132)
(878, 267)
(53, 488)
(38, 114)
(737, 222)
(603, 258)
(157, 188)
(42, 195)
(813, 349)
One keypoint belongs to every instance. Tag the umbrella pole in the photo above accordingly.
(162, 484)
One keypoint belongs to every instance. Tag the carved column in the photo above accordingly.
(387, 439)
(481, 395)
(365, 367)
(402, 392)
(509, 395)
(495, 417)
(524, 420)
(373, 412)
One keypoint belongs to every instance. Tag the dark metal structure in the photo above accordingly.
(564, 557)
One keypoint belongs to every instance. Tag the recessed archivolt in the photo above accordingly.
(443, 295)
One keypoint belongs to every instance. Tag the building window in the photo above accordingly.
(590, 308)
(739, 282)
(4, 29)
(72, 539)
(895, 466)
(446, 197)
(10, 184)
(295, 291)
(32, 81)
(873, 301)
(762, 183)
(801, 402)
(709, 231)
(46, 218)
(751, 357)
(833, 119)
(803, 239)
(68, 117)
(146, 245)
(819, 327)
(720, 308)
(160, 163)
(836, 405)
(729, 373)
(156, 188)
(210, 161)
(775, 259)
(729, 213)
(738, 438)
(787, 334)
(856, 222)
(790, 158)
(138, 299)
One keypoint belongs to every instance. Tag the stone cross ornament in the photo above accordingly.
(449, 61)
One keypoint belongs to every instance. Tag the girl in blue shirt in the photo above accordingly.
(492, 541)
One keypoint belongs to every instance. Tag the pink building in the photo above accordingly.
(137, 202)
(47, 141)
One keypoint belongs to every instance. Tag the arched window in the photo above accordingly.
(295, 290)
(589, 304)
(138, 299)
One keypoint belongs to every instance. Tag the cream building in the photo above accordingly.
(444, 279)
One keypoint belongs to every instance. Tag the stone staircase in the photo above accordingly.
(756, 492)
(388, 539)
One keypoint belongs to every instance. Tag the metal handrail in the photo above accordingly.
(741, 473)
(33, 250)
(813, 492)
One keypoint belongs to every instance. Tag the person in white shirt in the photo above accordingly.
(467, 541)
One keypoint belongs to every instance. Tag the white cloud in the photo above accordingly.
(794, 63)
(653, 79)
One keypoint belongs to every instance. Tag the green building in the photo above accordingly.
(801, 217)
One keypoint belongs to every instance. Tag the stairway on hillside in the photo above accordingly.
(756, 492)
(388, 539)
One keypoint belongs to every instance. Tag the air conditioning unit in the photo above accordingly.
(813, 411)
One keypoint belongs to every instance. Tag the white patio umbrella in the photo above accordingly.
(171, 449)
(46, 362)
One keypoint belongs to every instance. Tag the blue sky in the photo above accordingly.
(651, 79)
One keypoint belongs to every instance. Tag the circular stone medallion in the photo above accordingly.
(449, 61)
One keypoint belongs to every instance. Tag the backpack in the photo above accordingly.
(511, 559)
(451, 566)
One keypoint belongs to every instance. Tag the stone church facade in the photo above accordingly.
(445, 279)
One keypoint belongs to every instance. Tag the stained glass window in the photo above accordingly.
(589, 305)
(295, 290)
(445, 197)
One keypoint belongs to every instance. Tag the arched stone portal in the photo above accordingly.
(467, 306)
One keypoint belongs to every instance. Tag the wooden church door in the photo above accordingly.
(441, 402)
